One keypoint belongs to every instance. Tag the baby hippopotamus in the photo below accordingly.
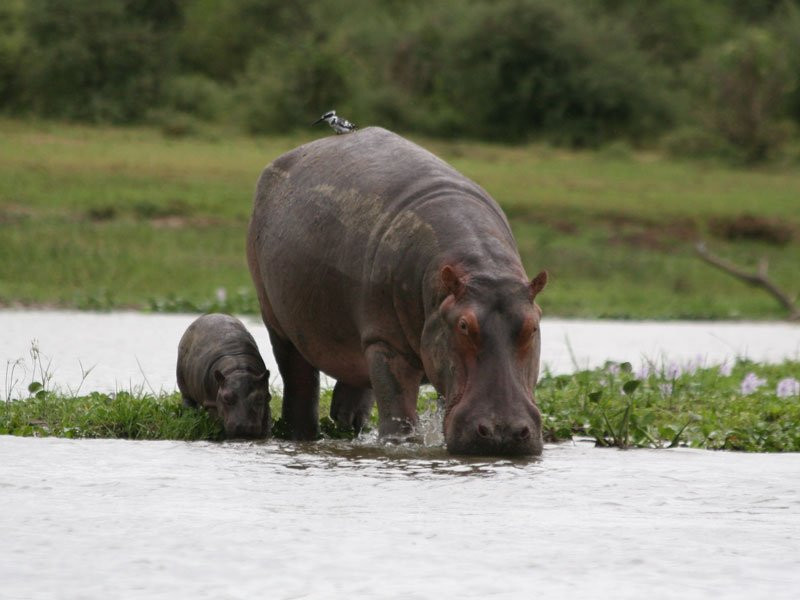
(220, 369)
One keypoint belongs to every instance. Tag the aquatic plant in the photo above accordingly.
(787, 387)
(616, 407)
(751, 383)
(705, 407)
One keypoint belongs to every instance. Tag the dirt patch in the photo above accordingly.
(650, 234)
(102, 213)
(176, 207)
(751, 227)
(177, 222)
(661, 233)
(14, 213)
(623, 229)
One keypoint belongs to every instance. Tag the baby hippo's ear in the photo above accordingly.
(537, 284)
(219, 376)
(263, 378)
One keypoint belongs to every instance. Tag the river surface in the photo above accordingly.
(99, 519)
(106, 519)
(129, 350)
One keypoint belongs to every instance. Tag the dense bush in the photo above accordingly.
(749, 82)
(97, 61)
(568, 71)
(523, 67)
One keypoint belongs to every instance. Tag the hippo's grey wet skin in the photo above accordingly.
(379, 264)
(221, 369)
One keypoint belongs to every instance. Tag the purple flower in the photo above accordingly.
(698, 362)
(751, 383)
(788, 386)
(665, 389)
(725, 369)
(673, 371)
(643, 372)
(613, 368)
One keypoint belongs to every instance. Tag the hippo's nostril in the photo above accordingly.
(484, 430)
(524, 433)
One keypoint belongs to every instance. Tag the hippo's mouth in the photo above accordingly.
(453, 401)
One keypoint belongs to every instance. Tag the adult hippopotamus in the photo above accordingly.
(379, 264)
(221, 369)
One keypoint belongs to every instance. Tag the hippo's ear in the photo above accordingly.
(537, 284)
(452, 281)
(219, 376)
(262, 378)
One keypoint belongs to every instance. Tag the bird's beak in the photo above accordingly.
(317, 121)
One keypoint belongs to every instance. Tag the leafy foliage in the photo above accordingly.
(571, 72)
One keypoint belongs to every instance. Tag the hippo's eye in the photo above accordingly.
(463, 326)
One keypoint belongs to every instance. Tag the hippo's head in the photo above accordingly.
(242, 403)
(481, 352)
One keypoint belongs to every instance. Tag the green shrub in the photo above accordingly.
(289, 86)
(196, 95)
(96, 61)
(12, 37)
(519, 68)
(749, 81)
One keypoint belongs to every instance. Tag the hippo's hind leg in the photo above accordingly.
(395, 382)
(300, 389)
(351, 406)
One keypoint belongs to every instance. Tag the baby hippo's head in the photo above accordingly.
(243, 403)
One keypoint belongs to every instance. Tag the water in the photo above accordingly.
(127, 350)
(98, 519)
(104, 519)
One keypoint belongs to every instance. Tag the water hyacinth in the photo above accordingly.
(751, 383)
(613, 368)
(665, 389)
(644, 371)
(698, 362)
(787, 387)
(725, 369)
(673, 370)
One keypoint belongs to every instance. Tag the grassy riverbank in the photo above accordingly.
(748, 407)
(99, 217)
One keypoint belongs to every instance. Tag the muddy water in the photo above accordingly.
(127, 350)
(104, 519)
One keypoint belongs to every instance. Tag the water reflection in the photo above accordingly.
(370, 456)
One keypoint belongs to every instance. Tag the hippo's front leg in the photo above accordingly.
(395, 383)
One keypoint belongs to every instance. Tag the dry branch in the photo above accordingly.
(758, 278)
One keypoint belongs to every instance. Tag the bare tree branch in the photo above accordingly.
(758, 279)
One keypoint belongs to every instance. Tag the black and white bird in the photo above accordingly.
(338, 124)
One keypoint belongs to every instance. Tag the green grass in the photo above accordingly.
(99, 217)
(700, 407)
